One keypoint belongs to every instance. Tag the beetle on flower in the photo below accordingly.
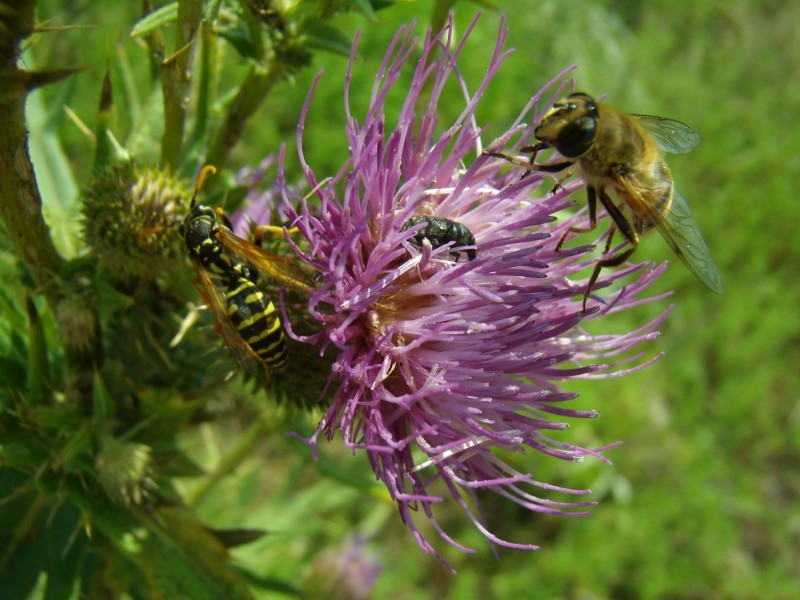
(442, 364)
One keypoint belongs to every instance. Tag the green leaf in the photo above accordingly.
(12, 374)
(156, 19)
(104, 153)
(325, 37)
(365, 8)
(240, 37)
(179, 553)
(38, 363)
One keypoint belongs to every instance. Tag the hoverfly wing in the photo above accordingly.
(679, 229)
(277, 267)
(670, 135)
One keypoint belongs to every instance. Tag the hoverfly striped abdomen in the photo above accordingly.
(255, 318)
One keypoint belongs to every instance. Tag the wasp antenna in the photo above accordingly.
(200, 180)
(203, 172)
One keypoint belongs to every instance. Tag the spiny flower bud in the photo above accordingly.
(124, 471)
(127, 214)
(77, 324)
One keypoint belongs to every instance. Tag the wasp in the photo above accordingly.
(625, 153)
(439, 231)
(227, 269)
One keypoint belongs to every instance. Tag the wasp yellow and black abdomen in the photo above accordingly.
(227, 271)
(256, 320)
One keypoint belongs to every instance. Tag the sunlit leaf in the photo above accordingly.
(156, 19)
(325, 37)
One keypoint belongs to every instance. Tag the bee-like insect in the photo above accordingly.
(439, 231)
(227, 268)
(624, 152)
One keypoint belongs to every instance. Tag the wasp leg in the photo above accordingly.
(223, 218)
(260, 230)
(145, 233)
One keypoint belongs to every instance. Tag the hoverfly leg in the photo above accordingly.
(591, 197)
(514, 160)
(559, 184)
(529, 164)
(614, 261)
(628, 230)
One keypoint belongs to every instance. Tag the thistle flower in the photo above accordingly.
(442, 364)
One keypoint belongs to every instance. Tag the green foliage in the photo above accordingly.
(122, 457)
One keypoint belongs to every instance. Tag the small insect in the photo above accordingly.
(439, 231)
(624, 152)
(227, 267)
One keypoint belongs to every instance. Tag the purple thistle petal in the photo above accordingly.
(439, 363)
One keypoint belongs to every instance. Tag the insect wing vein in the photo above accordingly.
(678, 228)
(277, 267)
(671, 136)
(240, 349)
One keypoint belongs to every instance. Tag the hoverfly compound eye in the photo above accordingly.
(577, 136)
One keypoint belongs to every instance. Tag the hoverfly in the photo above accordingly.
(439, 231)
(624, 152)
(227, 267)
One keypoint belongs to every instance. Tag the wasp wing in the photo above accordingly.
(241, 350)
(279, 268)
(671, 136)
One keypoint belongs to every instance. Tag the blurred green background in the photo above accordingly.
(703, 498)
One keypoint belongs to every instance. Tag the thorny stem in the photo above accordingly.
(251, 95)
(20, 201)
(175, 80)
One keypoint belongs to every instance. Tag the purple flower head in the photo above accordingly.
(443, 362)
